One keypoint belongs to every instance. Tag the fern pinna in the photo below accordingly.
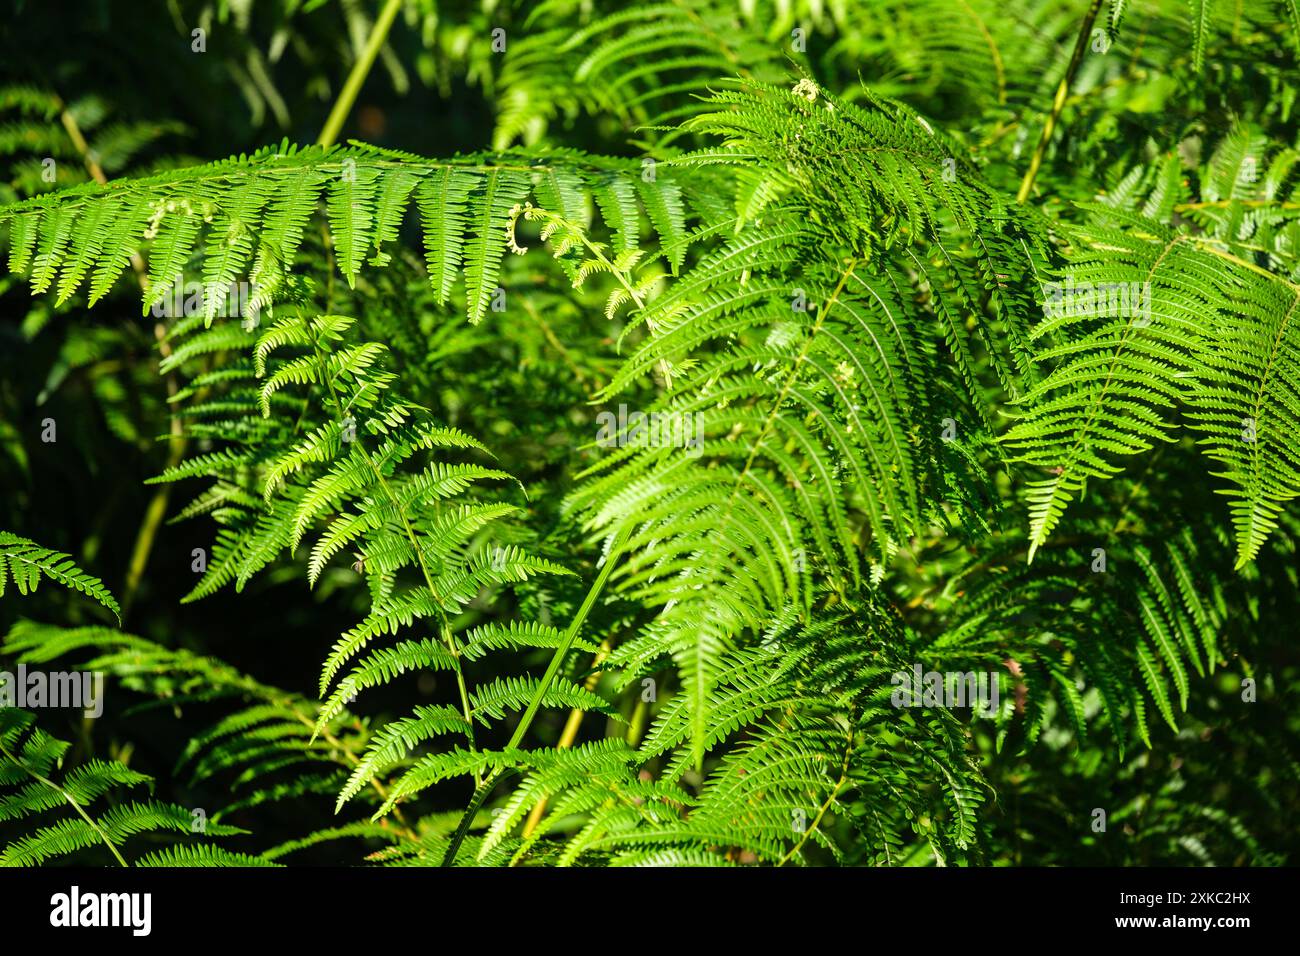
(857, 354)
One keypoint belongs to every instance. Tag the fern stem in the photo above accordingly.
(570, 732)
(554, 341)
(360, 70)
(835, 792)
(1200, 242)
(994, 52)
(615, 551)
(791, 374)
(157, 508)
(637, 722)
(484, 788)
(153, 518)
(66, 796)
(1058, 104)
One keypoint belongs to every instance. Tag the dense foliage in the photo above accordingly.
(574, 467)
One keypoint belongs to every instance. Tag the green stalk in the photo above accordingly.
(481, 793)
(1062, 92)
(157, 510)
(360, 70)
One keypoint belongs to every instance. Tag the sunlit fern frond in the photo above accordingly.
(246, 216)
(72, 814)
(27, 564)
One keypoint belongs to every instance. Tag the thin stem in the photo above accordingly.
(556, 344)
(994, 52)
(157, 508)
(360, 70)
(153, 517)
(1201, 242)
(481, 793)
(570, 732)
(835, 792)
(615, 551)
(791, 375)
(637, 723)
(67, 796)
(1058, 104)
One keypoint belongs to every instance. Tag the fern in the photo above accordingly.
(356, 470)
(810, 706)
(29, 790)
(824, 403)
(1215, 335)
(783, 257)
(253, 211)
(27, 563)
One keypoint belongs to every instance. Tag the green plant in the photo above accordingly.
(863, 327)
(29, 791)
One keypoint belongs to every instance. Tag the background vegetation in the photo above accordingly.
(920, 466)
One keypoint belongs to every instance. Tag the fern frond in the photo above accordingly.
(27, 563)
(251, 212)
